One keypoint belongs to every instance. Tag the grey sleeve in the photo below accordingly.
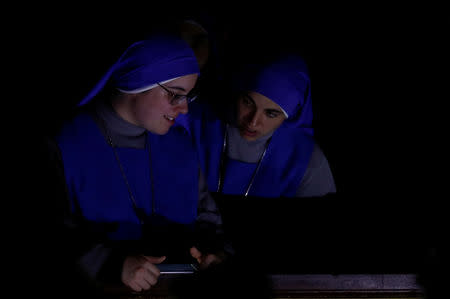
(209, 216)
(208, 210)
(318, 179)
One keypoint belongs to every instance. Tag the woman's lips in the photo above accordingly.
(171, 120)
(248, 132)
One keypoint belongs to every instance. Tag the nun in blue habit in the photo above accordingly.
(132, 173)
(265, 146)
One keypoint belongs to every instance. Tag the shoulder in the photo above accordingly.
(76, 123)
(204, 110)
(294, 135)
(200, 114)
(318, 158)
(79, 130)
(318, 179)
(293, 140)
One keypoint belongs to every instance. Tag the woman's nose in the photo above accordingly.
(182, 107)
(254, 119)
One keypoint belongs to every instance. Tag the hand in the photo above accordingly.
(140, 273)
(206, 260)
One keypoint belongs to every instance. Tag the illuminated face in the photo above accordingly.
(258, 116)
(157, 108)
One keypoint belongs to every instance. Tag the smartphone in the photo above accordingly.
(177, 268)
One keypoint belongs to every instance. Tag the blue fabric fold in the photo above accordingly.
(158, 58)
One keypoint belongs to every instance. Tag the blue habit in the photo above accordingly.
(98, 191)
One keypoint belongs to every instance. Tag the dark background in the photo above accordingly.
(374, 72)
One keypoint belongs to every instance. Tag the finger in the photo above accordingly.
(145, 278)
(150, 264)
(152, 268)
(195, 253)
(143, 284)
(155, 259)
(134, 286)
(210, 259)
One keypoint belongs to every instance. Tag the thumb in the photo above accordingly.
(155, 259)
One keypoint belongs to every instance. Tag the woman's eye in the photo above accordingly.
(246, 101)
(271, 114)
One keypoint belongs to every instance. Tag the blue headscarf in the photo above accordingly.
(158, 58)
(285, 81)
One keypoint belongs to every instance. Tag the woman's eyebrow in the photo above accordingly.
(273, 110)
(177, 88)
(249, 97)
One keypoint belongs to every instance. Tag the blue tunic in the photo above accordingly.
(281, 170)
(98, 191)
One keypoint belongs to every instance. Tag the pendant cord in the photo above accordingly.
(222, 164)
(138, 211)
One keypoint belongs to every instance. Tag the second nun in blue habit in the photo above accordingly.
(132, 173)
(265, 146)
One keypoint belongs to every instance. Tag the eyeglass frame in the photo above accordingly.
(177, 99)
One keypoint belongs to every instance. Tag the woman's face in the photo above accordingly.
(153, 110)
(258, 116)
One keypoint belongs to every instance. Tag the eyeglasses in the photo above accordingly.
(176, 99)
